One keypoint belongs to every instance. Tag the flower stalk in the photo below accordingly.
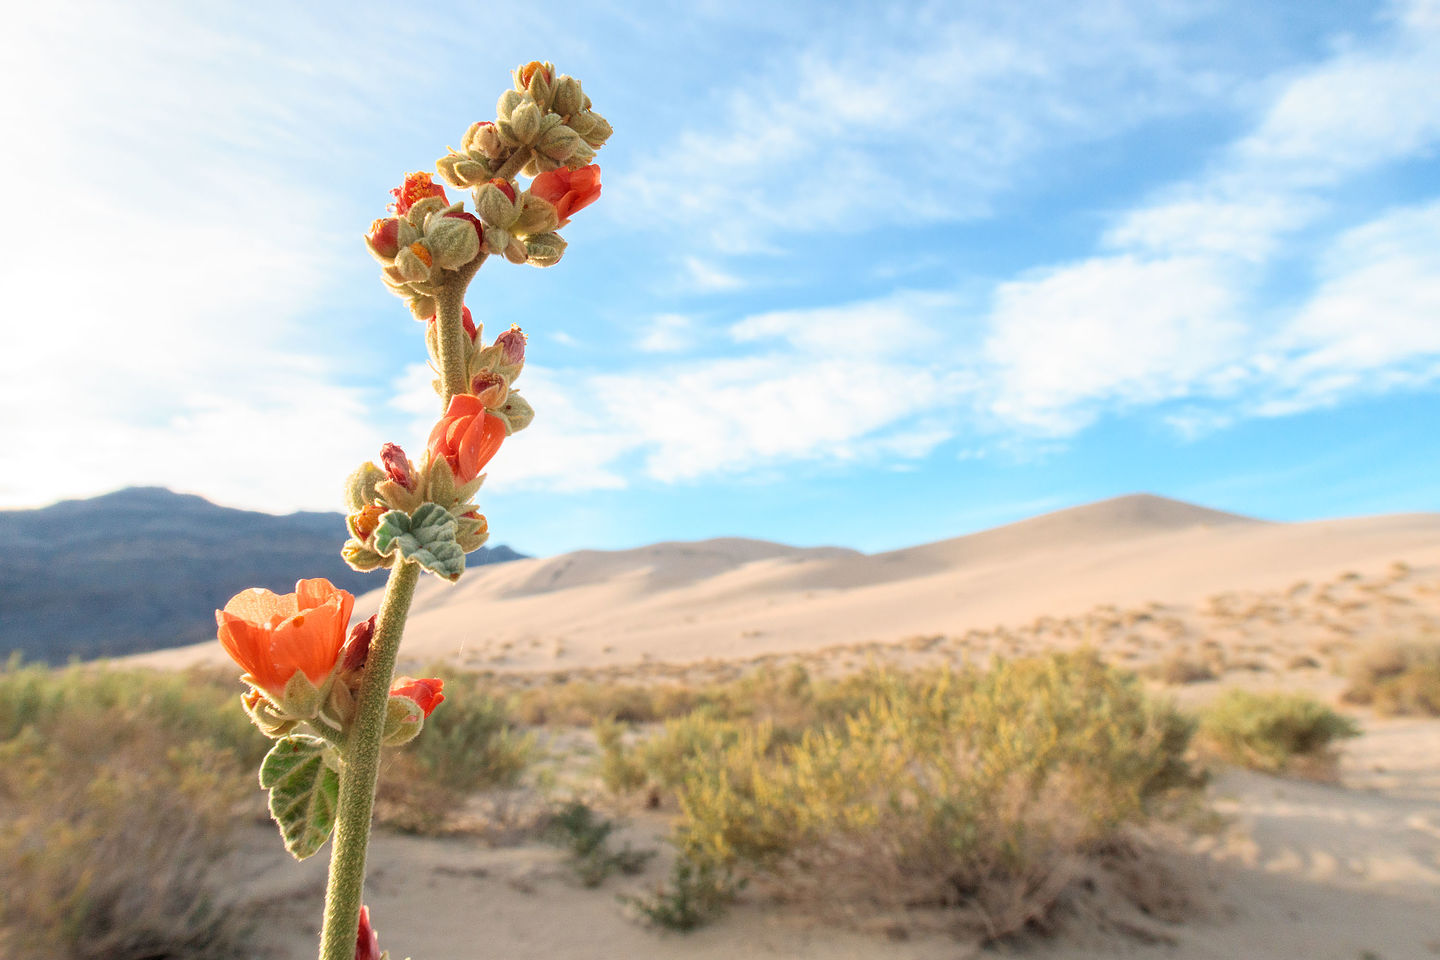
(360, 772)
(326, 695)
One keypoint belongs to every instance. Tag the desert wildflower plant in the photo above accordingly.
(322, 688)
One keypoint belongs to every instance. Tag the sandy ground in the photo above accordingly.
(1349, 869)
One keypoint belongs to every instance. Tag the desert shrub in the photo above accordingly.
(119, 790)
(620, 769)
(965, 790)
(696, 892)
(586, 835)
(468, 744)
(1398, 678)
(1180, 668)
(1273, 731)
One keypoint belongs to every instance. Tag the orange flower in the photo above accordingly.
(569, 190)
(467, 437)
(416, 187)
(424, 692)
(273, 636)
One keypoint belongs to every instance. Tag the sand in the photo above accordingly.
(1349, 869)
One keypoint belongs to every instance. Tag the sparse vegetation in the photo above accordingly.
(587, 836)
(1274, 732)
(962, 789)
(1398, 678)
(469, 744)
(119, 790)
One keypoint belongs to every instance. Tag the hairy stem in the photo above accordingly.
(361, 770)
(450, 335)
(512, 166)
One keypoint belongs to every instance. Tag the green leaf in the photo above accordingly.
(304, 791)
(427, 537)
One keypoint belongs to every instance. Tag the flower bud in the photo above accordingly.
(538, 80)
(507, 103)
(517, 413)
(496, 240)
(384, 238)
(489, 388)
(362, 522)
(454, 239)
(515, 251)
(398, 466)
(414, 262)
(544, 250)
(526, 122)
(559, 142)
(367, 942)
(416, 186)
(495, 202)
(424, 692)
(512, 346)
(357, 646)
(537, 215)
(568, 98)
(360, 486)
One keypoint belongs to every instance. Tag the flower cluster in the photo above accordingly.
(303, 661)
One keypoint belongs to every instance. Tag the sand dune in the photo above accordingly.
(733, 599)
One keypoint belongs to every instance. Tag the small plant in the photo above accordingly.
(1398, 678)
(587, 835)
(696, 893)
(1272, 732)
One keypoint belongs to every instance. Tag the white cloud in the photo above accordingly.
(1109, 331)
(155, 330)
(668, 333)
(706, 277)
(927, 120)
(895, 324)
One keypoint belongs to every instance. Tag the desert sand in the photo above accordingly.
(1349, 869)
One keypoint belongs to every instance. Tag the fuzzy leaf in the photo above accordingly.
(304, 791)
(427, 537)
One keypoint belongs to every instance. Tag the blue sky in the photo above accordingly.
(867, 274)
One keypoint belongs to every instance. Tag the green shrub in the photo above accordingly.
(1273, 731)
(468, 744)
(695, 893)
(1398, 678)
(941, 788)
(586, 835)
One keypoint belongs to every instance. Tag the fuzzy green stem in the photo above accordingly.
(450, 335)
(361, 770)
(517, 160)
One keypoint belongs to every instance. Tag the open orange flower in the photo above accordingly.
(467, 436)
(569, 190)
(275, 636)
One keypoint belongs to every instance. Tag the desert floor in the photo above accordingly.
(1290, 868)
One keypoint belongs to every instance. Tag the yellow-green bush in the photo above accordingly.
(1398, 678)
(959, 789)
(119, 790)
(468, 744)
(1273, 731)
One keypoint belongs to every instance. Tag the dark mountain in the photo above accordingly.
(145, 568)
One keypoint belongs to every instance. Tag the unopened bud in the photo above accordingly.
(512, 346)
(526, 122)
(454, 239)
(515, 251)
(507, 103)
(398, 466)
(360, 486)
(568, 98)
(384, 238)
(363, 522)
(357, 646)
(495, 202)
(544, 250)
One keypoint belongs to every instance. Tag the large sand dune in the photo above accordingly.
(734, 599)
